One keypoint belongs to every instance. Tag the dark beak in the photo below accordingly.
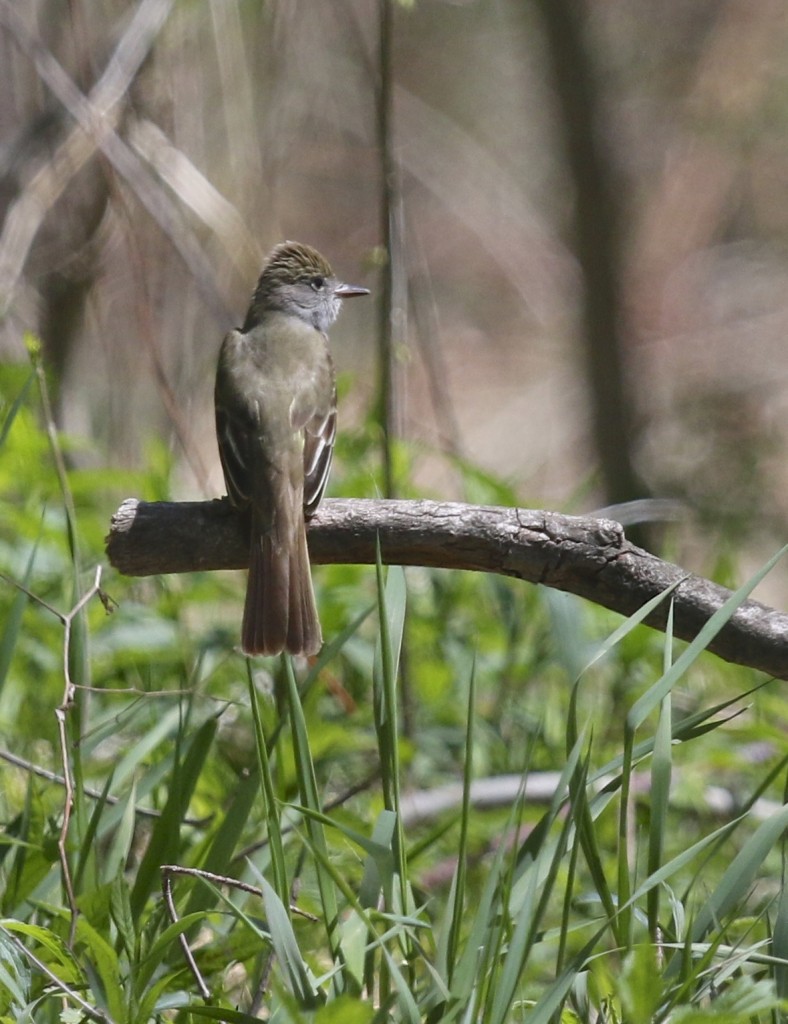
(347, 291)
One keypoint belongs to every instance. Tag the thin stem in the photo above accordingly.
(388, 204)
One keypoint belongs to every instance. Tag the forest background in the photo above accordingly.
(572, 218)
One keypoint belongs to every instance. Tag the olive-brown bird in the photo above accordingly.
(275, 401)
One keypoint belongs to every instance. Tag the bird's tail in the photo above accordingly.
(280, 612)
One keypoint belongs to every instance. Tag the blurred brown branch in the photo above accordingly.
(599, 238)
(584, 556)
(52, 175)
(96, 118)
(197, 193)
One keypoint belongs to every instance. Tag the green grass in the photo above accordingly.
(620, 895)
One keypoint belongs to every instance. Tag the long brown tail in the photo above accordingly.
(280, 612)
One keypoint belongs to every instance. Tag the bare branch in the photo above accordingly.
(420, 805)
(99, 128)
(196, 193)
(52, 175)
(584, 556)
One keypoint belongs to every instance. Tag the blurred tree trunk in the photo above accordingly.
(63, 260)
(598, 245)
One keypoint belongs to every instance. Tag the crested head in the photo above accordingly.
(293, 261)
(297, 280)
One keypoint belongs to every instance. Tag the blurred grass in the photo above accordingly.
(626, 893)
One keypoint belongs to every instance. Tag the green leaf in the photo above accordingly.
(629, 624)
(103, 957)
(735, 884)
(379, 866)
(640, 985)
(345, 1010)
(780, 941)
(54, 952)
(642, 708)
(738, 1004)
(307, 784)
(120, 909)
(391, 605)
(268, 791)
(291, 962)
(16, 405)
(15, 974)
(165, 838)
(455, 911)
(13, 620)
(222, 849)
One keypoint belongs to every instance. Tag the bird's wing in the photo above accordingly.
(314, 411)
(236, 432)
(319, 436)
(234, 453)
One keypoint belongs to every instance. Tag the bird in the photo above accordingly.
(276, 413)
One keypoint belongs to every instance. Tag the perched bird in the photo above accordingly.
(275, 400)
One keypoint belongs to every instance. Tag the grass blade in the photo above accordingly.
(735, 884)
(270, 806)
(307, 785)
(456, 907)
(165, 838)
(16, 405)
(642, 708)
(391, 603)
(286, 947)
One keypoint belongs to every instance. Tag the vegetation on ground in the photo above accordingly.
(635, 874)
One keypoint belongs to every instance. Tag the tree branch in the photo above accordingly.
(97, 122)
(584, 556)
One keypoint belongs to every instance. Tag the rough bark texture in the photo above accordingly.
(583, 556)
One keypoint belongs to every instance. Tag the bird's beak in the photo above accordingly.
(347, 291)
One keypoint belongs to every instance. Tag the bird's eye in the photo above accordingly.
(317, 283)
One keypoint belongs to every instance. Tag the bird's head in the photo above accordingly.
(296, 279)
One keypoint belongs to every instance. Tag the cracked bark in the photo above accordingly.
(580, 555)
